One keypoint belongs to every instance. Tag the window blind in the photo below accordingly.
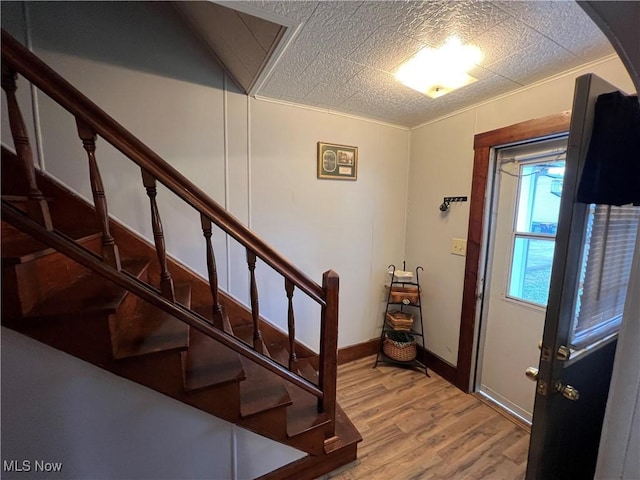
(606, 265)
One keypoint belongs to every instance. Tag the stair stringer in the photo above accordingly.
(134, 245)
(59, 408)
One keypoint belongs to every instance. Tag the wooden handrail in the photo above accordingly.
(66, 95)
(125, 280)
(94, 121)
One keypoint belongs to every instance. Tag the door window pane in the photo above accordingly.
(531, 269)
(539, 197)
(540, 172)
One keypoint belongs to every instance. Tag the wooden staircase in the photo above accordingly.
(82, 283)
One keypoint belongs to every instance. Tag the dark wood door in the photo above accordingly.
(565, 432)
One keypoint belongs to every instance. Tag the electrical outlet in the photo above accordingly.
(458, 246)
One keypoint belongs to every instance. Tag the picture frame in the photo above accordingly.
(337, 162)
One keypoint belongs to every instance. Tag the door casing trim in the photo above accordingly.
(482, 145)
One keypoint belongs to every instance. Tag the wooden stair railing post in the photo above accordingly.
(255, 309)
(289, 286)
(37, 207)
(166, 282)
(212, 271)
(328, 374)
(110, 252)
(20, 59)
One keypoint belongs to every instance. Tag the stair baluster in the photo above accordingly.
(328, 374)
(255, 309)
(213, 272)
(289, 286)
(166, 282)
(37, 207)
(91, 122)
(110, 252)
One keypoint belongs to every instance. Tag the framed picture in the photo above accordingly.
(338, 162)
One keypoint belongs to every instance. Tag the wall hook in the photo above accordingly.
(446, 202)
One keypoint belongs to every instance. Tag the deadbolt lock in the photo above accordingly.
(564, 353)
(567, 391)
(532, 374)
(542, 387)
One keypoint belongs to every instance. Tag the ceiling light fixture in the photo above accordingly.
(436, 72)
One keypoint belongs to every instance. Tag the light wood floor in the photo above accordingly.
(416, 427)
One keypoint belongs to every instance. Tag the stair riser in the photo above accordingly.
(83, 336)
(162, 372)
(125, 309)
(311, 441)
(221, 401)
(207, 363)
(11, 305)
(159, 371)
(33, 281)
(271, 423)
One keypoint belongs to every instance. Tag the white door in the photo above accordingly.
(525, 206)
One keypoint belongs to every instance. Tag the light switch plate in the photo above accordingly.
(459, 246)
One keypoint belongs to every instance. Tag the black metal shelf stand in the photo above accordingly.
(382, 357)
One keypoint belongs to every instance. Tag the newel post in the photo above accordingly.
(328, 374)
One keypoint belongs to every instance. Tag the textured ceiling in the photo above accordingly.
(346, 52)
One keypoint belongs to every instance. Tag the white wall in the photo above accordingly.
(56, 408)
(256, 158)
(355, 228)
(442, 164)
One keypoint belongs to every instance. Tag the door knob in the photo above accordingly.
(567, 391)
(531, 373)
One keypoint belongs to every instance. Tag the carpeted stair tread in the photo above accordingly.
(149, 329)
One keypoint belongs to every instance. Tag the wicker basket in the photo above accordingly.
(400, 351)
(400, 321)
(406, 295)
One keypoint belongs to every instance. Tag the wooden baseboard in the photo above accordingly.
(370, 347)
(358, 351)
(439, 366)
